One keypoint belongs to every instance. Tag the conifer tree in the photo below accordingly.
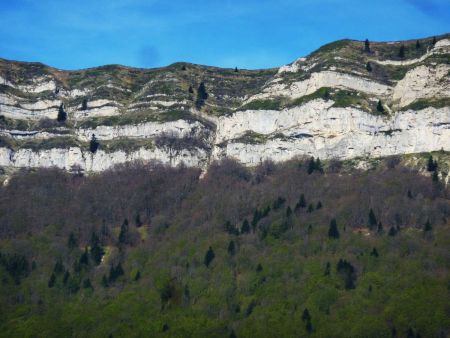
(84, 105)
(431, 165)
(62, 115)
(367, 46)
(418, 44)
(311, 166)
(84, 259)
(306, 316)
(327, 269)
(209, 257)
(93, 144)
(380, 227)
(374, 252)
(401, 52)
(96, 251)
(434, 41)
(369, 67)
(51, 281)
(380, 107)
(138, 221)
(435, 176)
(392, 232)
(105, 281)
(301, 202)
(231, 248)
(310, 208)
(72, 241)
(372, 219)
(333, 232)
(259, 267)
(123, 235)
(236, 69)
(66, 277)
(245, 229)
(137, 276)
(427, 227)
(319, 205)
(202, 95)
(288, 212)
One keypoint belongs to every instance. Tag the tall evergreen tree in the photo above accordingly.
(124, 235)
(93, 144)
(333, 231)
(401, 52)
(380, 107)
(137, 220)
(369, 67)
(84, 105)
(372, 219)
(209, 256)
(418, 44)
(306, 316)
(431, 165)
(72, 242)
(367, 46)
(62, 115)
(245, 229)
(51, 281)
(84, 259)
(231, 248)
(202, 95)
(427, 227)
(319, 205)
(311, 166)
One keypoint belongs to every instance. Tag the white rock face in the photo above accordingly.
(319, 80)
(423, 82)
(324, 132)
(73, 157)
(143, 130)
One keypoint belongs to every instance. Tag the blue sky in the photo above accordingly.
(226, 33)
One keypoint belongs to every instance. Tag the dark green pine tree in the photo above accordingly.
(137, 276)
(431, 164)
(327, 269)
(369, 67)
(308, 326)
(105, 283)
(191, 90)
(392, 232)
(84, 105)
(62, 115)
(306, 316)
(137, 220)
(380, 227)
(72, 242)
(418, 44)
(333, 232)
(401, 51)
(319, 205)
(259, 267)
(301, 202)
(93, 144)
(245, 229)
(372, 219)
(209, 256)
(310, 208)
(231, 248)
(202, 95)
(236, 69)
(59, 267)
(367, 46)
(374, 252)
(51, 281)
(124, 235)
(96, 251)
(84, 259)
(427, 227)
(311, 166)
(288, 212)
(434, 41)
(380, 107)
(66, 278)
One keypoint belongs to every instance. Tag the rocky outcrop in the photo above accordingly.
(278, 114)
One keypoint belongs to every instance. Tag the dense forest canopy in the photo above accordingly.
(280, 250)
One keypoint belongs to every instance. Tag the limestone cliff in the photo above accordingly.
(342, 101)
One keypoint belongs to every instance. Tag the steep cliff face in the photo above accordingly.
(342, 101)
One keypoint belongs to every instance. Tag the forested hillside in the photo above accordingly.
(297, 249)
